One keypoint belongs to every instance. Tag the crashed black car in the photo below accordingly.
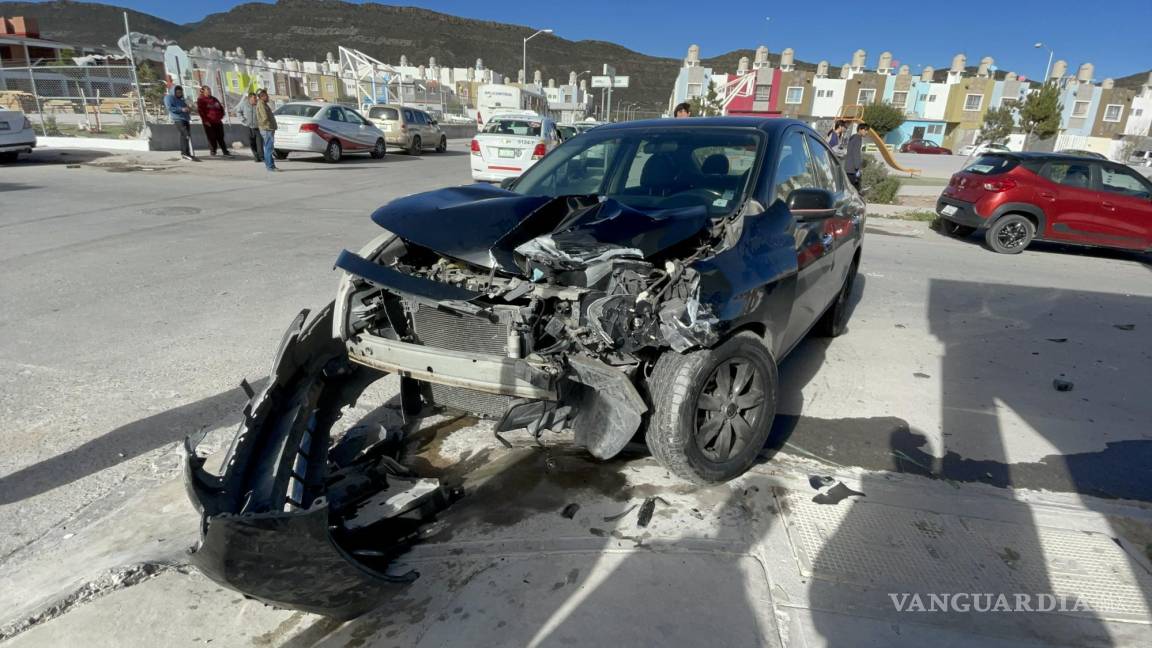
(644, 278)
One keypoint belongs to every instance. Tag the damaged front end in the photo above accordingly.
(549, 327)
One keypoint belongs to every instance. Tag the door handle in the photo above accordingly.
(1107, 205)
(1046, 195)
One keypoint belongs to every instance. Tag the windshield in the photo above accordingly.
(383, 112)
(652, 168)
(513, 127)
(297, 110)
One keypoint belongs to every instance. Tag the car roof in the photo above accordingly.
(1044, 156)
(766, 124)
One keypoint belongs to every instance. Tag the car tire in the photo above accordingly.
(699, 427)
(1010, 234)
(834, 321)
(415, 146)
(380, 150)
(956, 229)
(280, 154)
(9, 157)
(443, 145)
(333, 152)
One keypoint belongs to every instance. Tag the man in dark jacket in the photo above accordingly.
(854, 157)
(212, 115)
(181, 117)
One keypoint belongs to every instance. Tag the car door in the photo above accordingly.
(333, 123)
(1125, 212)
(1069, 202)
(846, 224)
(411, 127)
(814, 239)
(364, 132)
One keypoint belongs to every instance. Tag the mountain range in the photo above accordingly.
(310, 29)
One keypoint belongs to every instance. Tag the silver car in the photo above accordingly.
(408, 128)
(331, 130)
(16, 135)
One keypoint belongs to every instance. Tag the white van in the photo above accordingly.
(16, 135)
(510, 143)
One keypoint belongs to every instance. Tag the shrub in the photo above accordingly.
(51, 128)
(132, 127)
(877, 185)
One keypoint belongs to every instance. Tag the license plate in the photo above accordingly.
(507, 153)
(948, 210)
(4, 126)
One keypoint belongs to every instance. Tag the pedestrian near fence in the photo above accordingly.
(246, 109)
(181, 116)
(212, 117)
(266, 122)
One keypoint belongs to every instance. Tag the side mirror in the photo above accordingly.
(811, 204)
(507, 183)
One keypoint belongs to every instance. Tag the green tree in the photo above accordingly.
(998, 125)
(883, 118)
(1040, 113)
(708, 105)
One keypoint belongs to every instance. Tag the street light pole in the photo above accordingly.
(524, 61)
(1048, 68)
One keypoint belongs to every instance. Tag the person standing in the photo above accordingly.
(246, 109)
(683, 109)
(181, 116)
(212, 116)
(266, 122)
(854, 156)
(835, 137)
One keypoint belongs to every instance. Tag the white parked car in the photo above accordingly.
(329, 129)
(980, 149)
(16, 135)
(510, 143)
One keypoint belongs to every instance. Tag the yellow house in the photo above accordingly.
(968, 100)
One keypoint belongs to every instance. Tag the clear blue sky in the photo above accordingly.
(1115, 36)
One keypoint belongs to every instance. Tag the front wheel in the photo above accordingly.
(1010, 235)
(712, 409)
(379, 150)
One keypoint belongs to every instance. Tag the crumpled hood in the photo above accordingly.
(482, 224)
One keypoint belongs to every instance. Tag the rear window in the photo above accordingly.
(382, 112)
(297, 110)
(513, 127)
(991, 165)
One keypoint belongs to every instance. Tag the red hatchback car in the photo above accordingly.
(1015, 198)
(926, 147)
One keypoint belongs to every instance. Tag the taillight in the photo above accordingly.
(1003, 184)
(310, 128)
(475, 147)
(539, 151)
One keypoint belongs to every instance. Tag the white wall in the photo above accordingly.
(935, 109)
(828, 106)
(1140, 125)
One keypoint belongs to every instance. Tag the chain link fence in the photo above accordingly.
(76, 100)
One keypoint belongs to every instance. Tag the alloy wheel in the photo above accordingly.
(729, 409)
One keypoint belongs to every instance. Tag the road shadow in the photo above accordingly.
(1007, 351)
(121, 444)
(1053, 247)
(48, 157)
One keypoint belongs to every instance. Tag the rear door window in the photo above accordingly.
(409, 117)
(1124, 182)
(823, 165)
(336, 114)
(1069, 174)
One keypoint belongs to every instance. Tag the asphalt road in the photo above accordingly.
(139, 290)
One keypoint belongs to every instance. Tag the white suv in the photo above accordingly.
(16, 135)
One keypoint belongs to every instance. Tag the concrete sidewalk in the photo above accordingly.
(753, 562)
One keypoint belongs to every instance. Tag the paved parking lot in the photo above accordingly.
(139, 290)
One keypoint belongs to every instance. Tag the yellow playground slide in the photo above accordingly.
(855, 114)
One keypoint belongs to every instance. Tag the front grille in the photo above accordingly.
(455, 332)
(480, 403)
